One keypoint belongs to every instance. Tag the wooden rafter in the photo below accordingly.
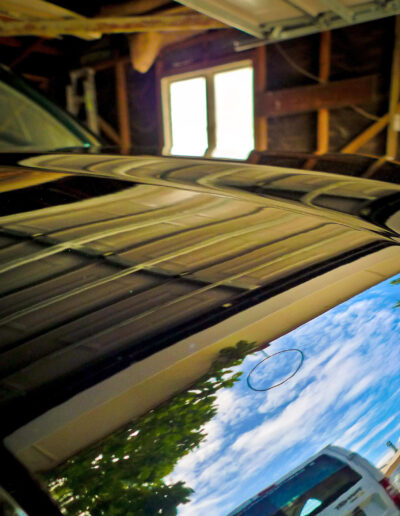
(25, 11)
(393, 135)
(35, 10)
(122, 106)
(39, 49)
(77, 27)
(42, 82)
(374, 167)
(323, 113)
(366, 135)
(260, 85)
(109, 131)
(26, 52)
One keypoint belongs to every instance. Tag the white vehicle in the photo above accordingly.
(335, 481)
(395, 478)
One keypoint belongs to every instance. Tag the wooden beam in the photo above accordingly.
(122, 106)
(11, 42)
(311, 98)
(43, 82)
(260, 86)
(27, 52)
(109, 131)
(89, 26)
(374, 167)
(110, 63)
(323, 114)
(39, 10)
(40, 49)
(211, 119)
(159, 69)
(366, 135)
(36, 9)
(254, 157)
(393, 135)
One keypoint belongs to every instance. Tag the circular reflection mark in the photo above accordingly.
(300, 356)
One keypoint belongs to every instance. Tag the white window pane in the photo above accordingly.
(189, 117)
(234, 113)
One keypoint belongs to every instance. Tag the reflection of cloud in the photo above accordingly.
(301, 418)
(355, 430)
(377, 430)
(343, 394)
(231, 407)
(383, 439)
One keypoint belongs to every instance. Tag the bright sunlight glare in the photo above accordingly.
(234, 113)
(189, 117)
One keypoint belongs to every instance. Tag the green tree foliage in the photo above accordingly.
(396, 282)
(123, 475)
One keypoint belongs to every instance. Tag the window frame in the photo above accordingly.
(208, 72)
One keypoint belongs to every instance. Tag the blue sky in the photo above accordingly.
(346, 393)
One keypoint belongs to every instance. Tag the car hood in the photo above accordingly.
(138, 288)
(124, 255)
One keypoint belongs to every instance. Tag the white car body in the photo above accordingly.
(365, 497)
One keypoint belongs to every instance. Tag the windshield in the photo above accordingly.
(306, 492)
(27, 126)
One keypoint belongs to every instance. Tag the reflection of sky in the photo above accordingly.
(346, 393)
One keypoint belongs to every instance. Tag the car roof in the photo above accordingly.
(109, 297)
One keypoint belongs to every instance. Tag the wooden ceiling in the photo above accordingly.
(44, 19)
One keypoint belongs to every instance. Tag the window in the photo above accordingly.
(210, 112)
(307, 492)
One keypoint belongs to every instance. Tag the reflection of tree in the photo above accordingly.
(122, 475)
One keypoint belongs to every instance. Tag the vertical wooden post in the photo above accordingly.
(159, 100)
(392, 134)
(323, 114)
(260, 85)
(122, 106)
(211, 121)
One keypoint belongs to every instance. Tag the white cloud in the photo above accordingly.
(232, 407)
(351, 357)
(379, 428)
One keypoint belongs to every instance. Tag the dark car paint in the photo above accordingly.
(370, 216)
(229, 180)
(104, 171)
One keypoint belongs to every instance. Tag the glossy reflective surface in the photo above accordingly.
(29, 122)
(104, 271)
(354, 202)
(209, 448)
(123, 278)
